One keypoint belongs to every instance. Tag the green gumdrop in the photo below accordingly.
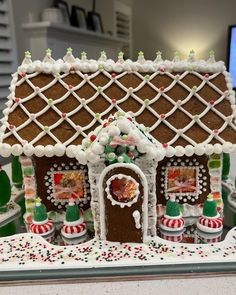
(214, 164)
(172, 208)
(109, 149)
(28, 171)
(72, 213)
(40, 213)
(5, 188)
(210, 208)
(226, 166)
(17, 177)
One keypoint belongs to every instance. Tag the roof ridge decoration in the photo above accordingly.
(49, 65)
(103, 65)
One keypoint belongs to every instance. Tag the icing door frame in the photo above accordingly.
(101, 189)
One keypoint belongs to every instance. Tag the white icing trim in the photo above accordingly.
(40, 222)
(110, 197)
(72, 223)
(101, 198)
(173, 217)
(136, 216)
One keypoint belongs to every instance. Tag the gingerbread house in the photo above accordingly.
(187, 106)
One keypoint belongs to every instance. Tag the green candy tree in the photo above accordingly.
(172, 207)
(210, 207)
(40, 211)
(5, 190)
(72, 212)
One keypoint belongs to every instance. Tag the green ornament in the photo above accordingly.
(210, 207)
(172, 207)
(28, 171)
(226, 166)
(40, 211)
(5, 191)
(17, 177)
(72, 212)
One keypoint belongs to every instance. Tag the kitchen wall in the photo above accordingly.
(182, 25)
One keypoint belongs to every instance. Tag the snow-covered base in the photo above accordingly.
(35, 253)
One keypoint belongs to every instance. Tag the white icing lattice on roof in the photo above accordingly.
(130, 93)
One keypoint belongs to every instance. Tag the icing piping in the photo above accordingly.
(136, 216)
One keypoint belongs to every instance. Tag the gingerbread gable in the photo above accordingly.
(188, 105)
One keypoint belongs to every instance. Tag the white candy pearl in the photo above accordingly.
(209, 149)
(120, 159)
(199, 150)
(170, 151)
(71, 151)
(49, 150)
(189, 150)
(81, 157)
(97, 148)
(39, 151)
(5, 150)
(179, 151)
(227, 147)
(28, 149)
(113, 130)
(59, 149)
(124, 125)
(218, 148)
(103, 139)
(16, 149)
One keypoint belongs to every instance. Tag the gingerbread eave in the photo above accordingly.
(188, 103)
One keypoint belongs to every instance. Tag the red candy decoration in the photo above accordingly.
(162, 70)
(70, 86)
(165, 145)
(212, 101)
(110, 120)
(113, 75)
(113, 101)
(11, 126)
(63, 115)
(206, 75)
(93, 137)
(17, 99)
(162, 116)
(216, 131)
(130, 119)
(105, 124)
(162, 88)
(23, 74)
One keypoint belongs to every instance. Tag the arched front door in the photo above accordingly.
(123, 203)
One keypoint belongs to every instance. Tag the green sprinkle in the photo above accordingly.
(97, 115)
(99, 88)
(69, 50)
(49, 51)
(146, 101)
(147, 77)
(50, 101)
(141, 54)
(46, 128)
(27, 53)
(194, 88)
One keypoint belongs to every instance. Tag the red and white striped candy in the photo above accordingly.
(210, 224)
(74, 230)
(41, 229)
(171, 224)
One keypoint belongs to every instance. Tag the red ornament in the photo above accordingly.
(105, 124)
(93, 137)
(110, 120)
(162, 88)
(206, 75)
(216, 131)
(212, 101)
(23, 74)
(113, 101)
(130, 119)
(11, 126)
(63, 115)
(162, 116)
(165, 145)
(70, 86)
(162, 70)
(113, 75)
(17, 99)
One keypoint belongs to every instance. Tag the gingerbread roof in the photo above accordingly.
(187, 105)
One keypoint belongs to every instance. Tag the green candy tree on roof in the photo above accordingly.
(5, 190)
(17, 177)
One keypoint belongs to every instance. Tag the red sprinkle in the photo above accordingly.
(17, 99)
(206, 75)
(162, 116)
(216, 131)
(130, 119)
(11, 126)
(63, 115)
(165, 145)
(23, 74)
(162, 70)
(113, 101)
(105, 124)
(93, 137)
(70, 86)
(110, 120)
(212, 101)
(162, 88)
(113, 75)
